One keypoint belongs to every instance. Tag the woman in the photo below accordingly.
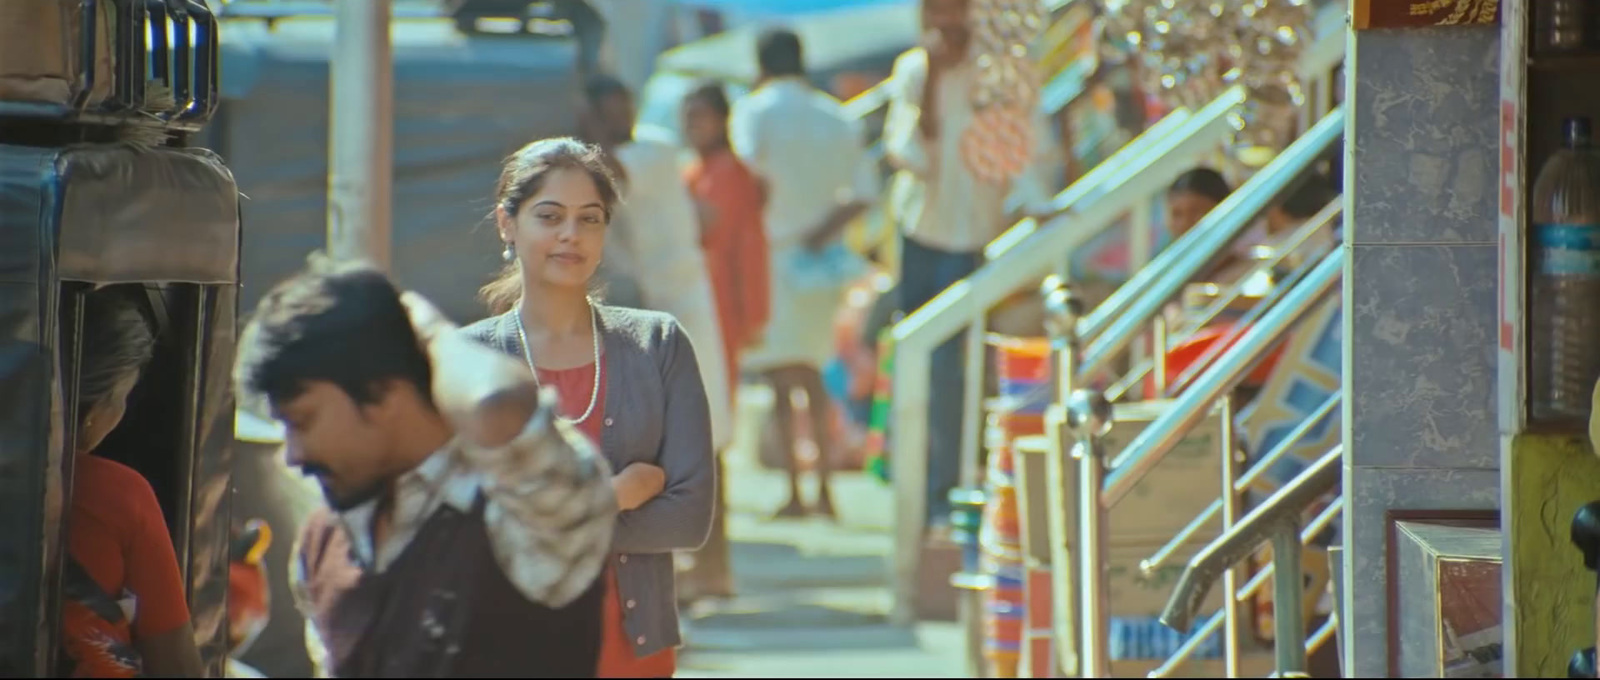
(1191, 196)
(123, 612)
(626, 378)
(728, 199)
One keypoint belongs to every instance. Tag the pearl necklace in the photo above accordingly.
(527, 354)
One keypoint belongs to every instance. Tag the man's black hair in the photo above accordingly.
(1313, 194)
(778, 52)
(1203, 181)
(338, 321)
(600, 86)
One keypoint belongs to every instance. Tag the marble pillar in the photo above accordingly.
(1419, 298)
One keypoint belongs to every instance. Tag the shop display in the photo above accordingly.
(1565, 299)
(1190, 50)
(1005, 93)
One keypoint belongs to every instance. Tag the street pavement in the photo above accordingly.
(813, 597)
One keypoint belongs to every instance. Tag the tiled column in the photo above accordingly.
(1419, 298)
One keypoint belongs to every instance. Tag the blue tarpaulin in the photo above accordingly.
(461, 104)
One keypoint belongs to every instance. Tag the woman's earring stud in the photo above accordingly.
(508, 254)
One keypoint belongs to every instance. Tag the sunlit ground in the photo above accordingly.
(813, 596)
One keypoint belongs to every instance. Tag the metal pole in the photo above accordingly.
(1090, 416)
(1288, 622)
(1230, 509)
(1063, 313)
(361, 132)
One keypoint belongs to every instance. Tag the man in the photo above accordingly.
(949, 213)
(809, 154)
(655, 235)
(465, 529)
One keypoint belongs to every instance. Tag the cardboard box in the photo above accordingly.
(1186, 481)
(1131, 594)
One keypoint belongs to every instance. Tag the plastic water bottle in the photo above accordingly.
(1565, 300)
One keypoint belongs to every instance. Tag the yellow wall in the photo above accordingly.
(1551, 477)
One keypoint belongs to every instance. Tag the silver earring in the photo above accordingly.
(508, 254)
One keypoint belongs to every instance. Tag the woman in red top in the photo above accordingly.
(123, 612)
(729, 199)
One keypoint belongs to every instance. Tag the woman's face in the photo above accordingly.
(1185, 209)
(558, 233)
(704, 127)
(104, 417)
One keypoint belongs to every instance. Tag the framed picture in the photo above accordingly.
(1469, 618)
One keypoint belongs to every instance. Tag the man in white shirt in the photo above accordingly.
(810, 155)
(947, 213)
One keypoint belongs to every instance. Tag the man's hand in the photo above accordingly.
(486, 396)
(941, 56)
(426, 319)
(637, 484)
(819, 238)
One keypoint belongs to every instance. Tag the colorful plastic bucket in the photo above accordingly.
(1023, 372)
(1190, 351)
(1021, 359)
(1021, 425)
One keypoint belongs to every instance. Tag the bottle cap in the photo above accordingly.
(1577, 131)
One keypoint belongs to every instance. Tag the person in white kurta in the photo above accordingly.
(811, 156)
(663, 235)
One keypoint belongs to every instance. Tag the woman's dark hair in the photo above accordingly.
(522, 177)
(779, 54)
(712, 94)
(1202, 181)
(117, 342)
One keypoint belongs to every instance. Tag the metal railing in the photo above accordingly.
(1169, 339)
(1083, 487)
(1278, 521)
(1078, 214)
(1122, 317)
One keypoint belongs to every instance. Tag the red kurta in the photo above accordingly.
(735, 244)
(617, 660)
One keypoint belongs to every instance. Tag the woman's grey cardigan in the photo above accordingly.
(655, 412)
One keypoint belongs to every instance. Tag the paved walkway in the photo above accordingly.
(813, 595)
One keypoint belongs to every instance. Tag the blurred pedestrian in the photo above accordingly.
(809, 153)
(952, 213)
(729, 200)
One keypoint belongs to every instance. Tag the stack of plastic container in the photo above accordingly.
(1022, 366)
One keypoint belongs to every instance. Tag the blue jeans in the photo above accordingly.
(924, 273)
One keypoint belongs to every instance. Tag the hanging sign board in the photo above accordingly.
(1422, 13)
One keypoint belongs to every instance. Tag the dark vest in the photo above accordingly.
(443, 609)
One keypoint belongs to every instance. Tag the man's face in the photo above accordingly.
(615, 116)
(344, 445)
(951, 19)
